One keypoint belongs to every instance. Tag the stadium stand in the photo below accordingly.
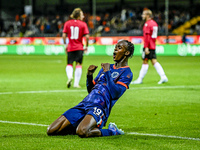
(124, 22)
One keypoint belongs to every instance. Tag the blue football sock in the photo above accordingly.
(106, 132)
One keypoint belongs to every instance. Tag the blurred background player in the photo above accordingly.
(75, 29)
(150, 30)
(91, 114)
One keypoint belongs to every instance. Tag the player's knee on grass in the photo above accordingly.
(82, 132)
(50, 131)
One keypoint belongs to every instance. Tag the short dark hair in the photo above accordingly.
(130, 48)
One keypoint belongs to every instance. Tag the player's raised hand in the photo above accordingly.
(105, 66)
(91, 69)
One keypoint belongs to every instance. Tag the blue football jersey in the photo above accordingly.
(108, 87)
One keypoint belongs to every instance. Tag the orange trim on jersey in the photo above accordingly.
(120, 67)
(93, 82)
(100, 123)
(118, 82)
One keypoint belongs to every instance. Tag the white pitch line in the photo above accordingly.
(84, 90)
(6, 93)
(24, 123)
(50, 91)
(166, 87)
(131, 133)
(165, 136)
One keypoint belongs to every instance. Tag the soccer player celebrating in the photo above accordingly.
(88, 117)
(75, 29)
(150, 30)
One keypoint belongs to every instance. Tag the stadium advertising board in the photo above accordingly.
(162, 50)
(98, 45)
(95, 40)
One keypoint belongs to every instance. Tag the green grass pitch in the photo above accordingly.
(33, 94)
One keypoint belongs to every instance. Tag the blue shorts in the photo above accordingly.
(76, 114)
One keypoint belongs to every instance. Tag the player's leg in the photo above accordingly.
(144, 68)
(88, 127)
(69, 68)
(160, 71)
(78, 71)
(143, 72)
(60, 126)
(92, 124)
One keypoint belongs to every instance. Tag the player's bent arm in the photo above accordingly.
(89, 83)
(116, 89)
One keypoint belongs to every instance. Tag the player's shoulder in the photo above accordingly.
(128, 70)
(129, 73)
(82, 23)
(152, 22)
(68, 22)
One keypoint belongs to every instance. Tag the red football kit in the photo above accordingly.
(150, 30)
(75, 29)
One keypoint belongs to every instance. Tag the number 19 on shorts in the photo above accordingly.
(97, 111)
(74, 32)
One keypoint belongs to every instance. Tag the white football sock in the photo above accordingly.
(69, 71)
(78, 73)
(143, 71)
(160, 70)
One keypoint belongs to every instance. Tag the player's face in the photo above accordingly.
(144, 15)
(81, 15)
(119, 51)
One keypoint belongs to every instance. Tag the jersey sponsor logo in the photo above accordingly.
(109, 50)
(53, 49)
(114, 74)
(24, 49)
(3, 49)
(185, 49)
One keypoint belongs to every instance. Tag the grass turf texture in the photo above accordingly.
(170, 109)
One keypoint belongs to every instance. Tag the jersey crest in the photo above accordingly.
(114, 74)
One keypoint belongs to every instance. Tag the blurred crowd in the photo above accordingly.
(127, 22)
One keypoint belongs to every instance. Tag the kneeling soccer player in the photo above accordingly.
(90, 115)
